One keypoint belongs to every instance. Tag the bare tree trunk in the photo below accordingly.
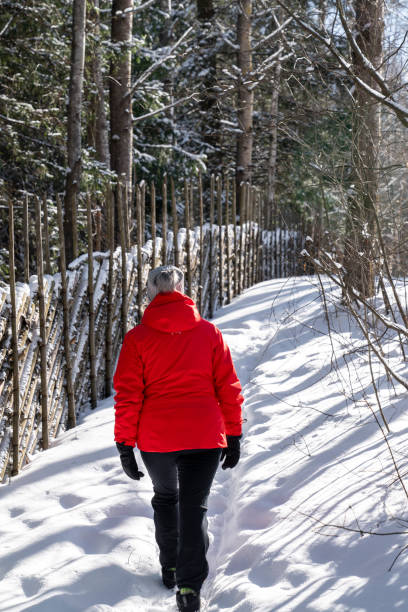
(273, 146)
(121, 127)
(363, 201)
(207, 63)
(245, 94)
(166, 39)
(74, 122)
(99, 136)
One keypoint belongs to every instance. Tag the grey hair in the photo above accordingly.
(164, 279)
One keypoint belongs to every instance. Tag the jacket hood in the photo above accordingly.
(171, 312)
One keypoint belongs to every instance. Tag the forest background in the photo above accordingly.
(306, 100)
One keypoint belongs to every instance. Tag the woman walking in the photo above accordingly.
(178, 398)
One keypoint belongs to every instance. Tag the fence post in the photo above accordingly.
(164, 220)
(254, 234)
(71, 421)
(26, 240)
(261, 247)
(252, 268)
(153, 215)
(201, 215)
(75, 227)
(258, 240)
(175, 223)
(46, 237)
(245, 203)
(274, 249)
(92, 356)
(227, 240)
(241, 235)
(127, 212)
(16, 382)
(143, 209)
(280, 258)
(251, 235)
(98, 229)
(210, 258)
(234, 220)
(267, 245)
(187, 221)
(139, 253)
(121, 191)
(220, 243)
(43, 341)
(109, 298)
(191, 204)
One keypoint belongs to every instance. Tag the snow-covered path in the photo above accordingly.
(77, 535)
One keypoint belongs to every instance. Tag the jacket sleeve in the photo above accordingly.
(129, 386)
(227, 387)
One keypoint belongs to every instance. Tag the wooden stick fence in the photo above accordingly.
(67, 329)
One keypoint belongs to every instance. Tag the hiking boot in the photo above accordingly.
(188, 600)
(169, 577)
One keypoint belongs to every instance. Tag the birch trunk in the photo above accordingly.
(74, 122)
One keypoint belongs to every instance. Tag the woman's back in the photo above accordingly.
(187, 372)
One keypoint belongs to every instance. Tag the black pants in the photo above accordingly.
(181, 484)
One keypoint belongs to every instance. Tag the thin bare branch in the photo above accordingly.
(164, 108)
(386, 99)
(157, 64)
(272, 34)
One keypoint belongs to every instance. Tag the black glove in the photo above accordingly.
(231, 453)
(128, 461)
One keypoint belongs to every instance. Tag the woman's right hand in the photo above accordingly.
(128, 461)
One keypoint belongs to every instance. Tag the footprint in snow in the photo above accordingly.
(32, 524)
(226, 600)
(16, 512)
(267, 572)
(243, 559)
(107, 467)
(296, 577)
(256, 516)
(31, 585)
(70, 500)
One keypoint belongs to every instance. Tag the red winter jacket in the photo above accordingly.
(176, 386)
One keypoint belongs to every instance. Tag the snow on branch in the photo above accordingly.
(137, 9)
(224, 36)
(6, 26)
(163, 108)
(196, 158)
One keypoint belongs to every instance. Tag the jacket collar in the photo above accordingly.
(171, 312)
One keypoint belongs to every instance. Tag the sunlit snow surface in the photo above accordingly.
(77, 535)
